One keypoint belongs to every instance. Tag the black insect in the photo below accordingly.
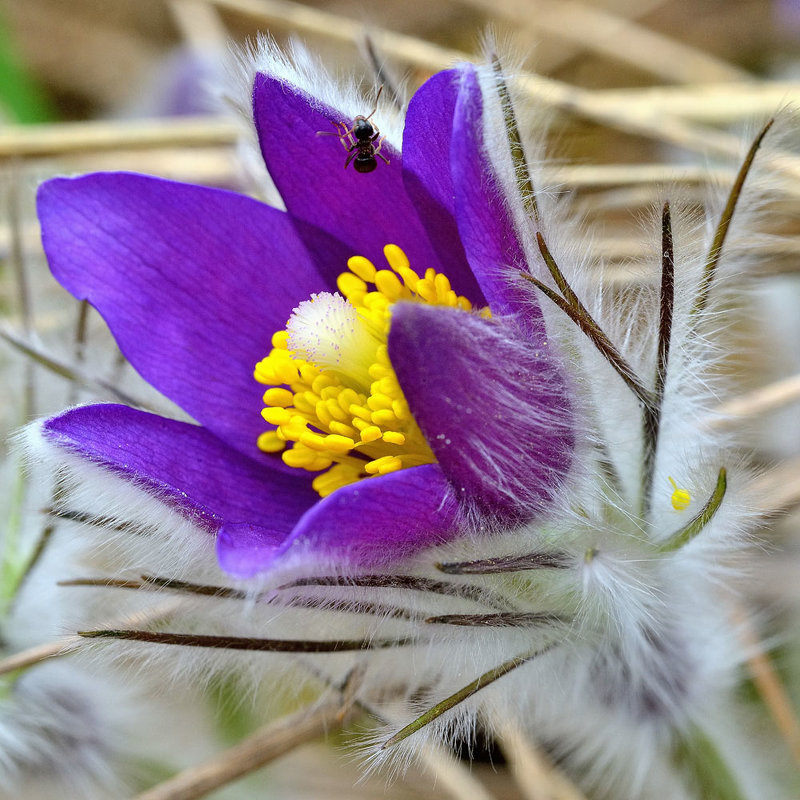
(362, 141)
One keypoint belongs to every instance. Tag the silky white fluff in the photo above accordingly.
(640, 645)
(302, 69)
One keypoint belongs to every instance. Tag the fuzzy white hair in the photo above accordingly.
(615, 636)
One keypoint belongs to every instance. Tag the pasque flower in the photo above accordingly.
(196, 282)
(470, 464)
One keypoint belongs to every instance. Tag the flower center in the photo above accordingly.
(334, 399)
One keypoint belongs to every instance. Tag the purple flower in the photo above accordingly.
(194, 282)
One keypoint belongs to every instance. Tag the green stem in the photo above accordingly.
(725, 220)
(702, 518)
(699, 757)
(436, 711)
(517, 151)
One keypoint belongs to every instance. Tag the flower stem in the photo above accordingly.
(517, 151)
(248, 643)
(725, 221)
(584, 321)
(436, 711)
(652, 413)
(492, 566)
(697, 754)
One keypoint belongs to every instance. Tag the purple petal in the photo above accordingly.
(493, 408)
(367, 211)
(185, 465)
(428, 180)
(371, 523)
(426, 140)
(192, 281)
(244, 549)
(487, 231)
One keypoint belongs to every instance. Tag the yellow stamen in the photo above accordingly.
(334, 397)
(681, 499)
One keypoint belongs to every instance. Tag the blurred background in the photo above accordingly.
(636, 93)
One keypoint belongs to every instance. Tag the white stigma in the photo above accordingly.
(328, 332)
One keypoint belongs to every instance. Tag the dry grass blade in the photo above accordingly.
(769, 684)
(68, 644)
(39, 653)
(65, 370)
(453, 777)
(534, 774)
(712, 103)
(633, 118)
(768, 398)
(586, 176)
(779, 488)
(66, 138)
(200, 26)
(253, 752)
(619, 39)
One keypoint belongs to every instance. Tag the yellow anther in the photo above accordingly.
(339, 444)
(401, 409)
(270, 442)
(360, 412)
(280, 340)
(304, 403)
(681, 499)
(308, 372)
(362, 267)
(387, 385)
(378, 401)
(346, 398)
(410, 279)
(336, 402)
(374, 301)
(384, 417)
(389, 284)
(397, 259)
(371, 434)
(323, 414)
(294, 428)
(323, 381)
(384, 465)
(335, 410)
(342, 429)
(313, 441)
(392, 465)
(351, 286)
(278, 397)
(263, 372)
(276, 416)
(285, 372)
(442, 287)
(426, 290)
(303, 458)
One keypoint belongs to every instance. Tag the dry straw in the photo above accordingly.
(700, 94)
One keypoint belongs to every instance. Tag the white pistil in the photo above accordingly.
(328, 332)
